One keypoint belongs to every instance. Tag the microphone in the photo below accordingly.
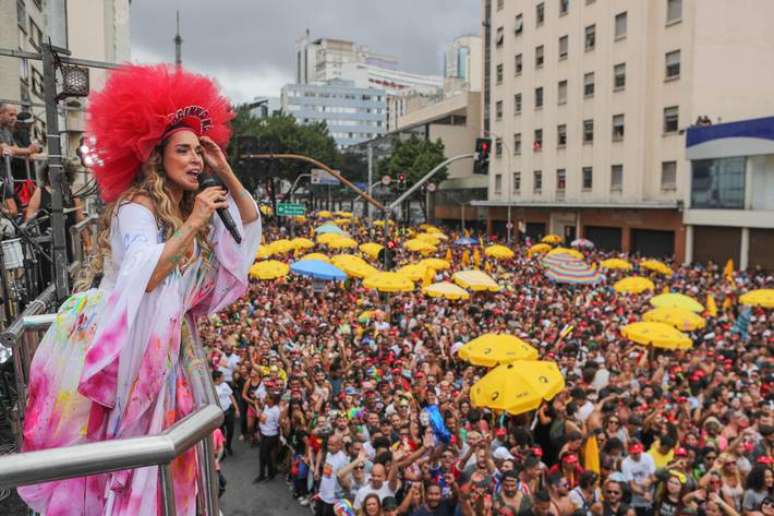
(207, 181)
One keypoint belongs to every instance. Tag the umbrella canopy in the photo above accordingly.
(582, 243)
(656, 334)
(634, 285)
(353, 265)
(318, 269)
(381, 223)
(559, 259)
(763, 297)
(344, 214)
(414, 271)
(567, 252)
(573, 273)
(343, 243)
(499, 252)
(656, 266)
(616, 263)
(680, 318)
(492, 349)
(430, 238)
(475, 280)
(265, 209)
(324, 214)
(330, 228)
(446, 290)
(466, 241)
(263, 252)
(437, 264)
(269, 270)
(281, 246)
(342, 222)
(538, 249)
(302, 243)
(518, 387)
(552, 239)
(429, 228)
(371, 249)
(327, 238)
(316, 256)
(418, 245)
(389, 282)
(673, 300)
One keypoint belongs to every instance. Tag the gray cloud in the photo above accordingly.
(248, 45)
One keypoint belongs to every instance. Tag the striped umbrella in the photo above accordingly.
(559, 259)
(577, 273)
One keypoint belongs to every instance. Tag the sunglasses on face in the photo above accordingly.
(612, 492)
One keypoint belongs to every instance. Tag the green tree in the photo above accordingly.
(414, 157)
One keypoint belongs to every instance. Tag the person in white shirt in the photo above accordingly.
(268, 424)
(639, 471)
(335, 459)
(378, 485)
(228, 363)
(229, 406)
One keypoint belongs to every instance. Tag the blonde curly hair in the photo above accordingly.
(152, 183)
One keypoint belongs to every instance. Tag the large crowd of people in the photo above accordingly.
(334, 402)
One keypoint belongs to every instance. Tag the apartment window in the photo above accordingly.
(561, 179)
(618, 128)
(21, 15)
(672, 64)
(498, 185)
(671, 119)
(499, 110)
(668, 175)
(718, 183)
(37, 83)
(619, 77)
(539, 56)
(620, 25)
(537, 144)
(674, 11)
(591, 37)
(36, 35)
(538, 97)
(588, 131)
(564, 7)
(517, 143)
(500, 37)
(499, 73)
(500, 4)
(561, 92)
(616, 178)
(588, 84)
(564, 44)
(498, 147)
(561, 135)
(518, 28)
(588, 178)
(517, 64)
(537, 181)
(540, 13)
(517, 104)
(516, 182)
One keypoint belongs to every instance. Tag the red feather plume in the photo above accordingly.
(136, 108)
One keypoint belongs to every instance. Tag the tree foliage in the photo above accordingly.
(414, 157)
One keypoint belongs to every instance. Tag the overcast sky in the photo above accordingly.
(248, 45)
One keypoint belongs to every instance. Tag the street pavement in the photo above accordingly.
(243, 498)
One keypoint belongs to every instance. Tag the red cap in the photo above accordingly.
(681, 452)
(501, 432)
(537, 451)
(765, 459)
(636, 448)
(570, 458)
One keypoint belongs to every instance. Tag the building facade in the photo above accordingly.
(588, 100)
(729, 206)
(462, 65)
(352, 114)
(323, 59)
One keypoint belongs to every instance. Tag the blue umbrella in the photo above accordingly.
(466, 241)
(318, 270)
(330, 228)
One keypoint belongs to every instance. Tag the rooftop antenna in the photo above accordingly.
(178, 44)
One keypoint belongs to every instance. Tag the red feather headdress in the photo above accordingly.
(135, 111)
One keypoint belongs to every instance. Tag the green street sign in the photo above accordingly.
(287, 209)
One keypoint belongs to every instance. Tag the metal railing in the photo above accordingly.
(119, 454)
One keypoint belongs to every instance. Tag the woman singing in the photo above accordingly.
(110, 366)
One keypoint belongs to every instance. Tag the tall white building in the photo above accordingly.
(323, 59)
(588, 101)
(462, 64)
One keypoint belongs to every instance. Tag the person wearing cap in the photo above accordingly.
(639, 472)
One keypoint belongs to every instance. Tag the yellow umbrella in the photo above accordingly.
(429, 228)
(437, 264)
(342, 222)
(342, 259)
(316, 256)
(499, 252)
(492, 349)
(763, 297)
(344, 214)
(674, 300)
(616, 263)
(265, 209)
(281, 246)
(353, 265)
(680, 318)
(324, 214)
(417, 245)
(475, 280)
(342, 243)
(263, 252)
(381, 223)
(269, 270)
(414, 271)
(371, 249)
(566, 250)
(302, 243)
(430, 238)
(299, 218)
(518, 387)
(633, 285)
(538, 249)
(446, 290)
(552, 239)
(656, 266)
(656, 334)
(327, 238)
(389, 282)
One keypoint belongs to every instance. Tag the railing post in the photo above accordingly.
(167, 490)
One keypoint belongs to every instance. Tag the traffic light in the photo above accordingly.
(386, 255)
(401, 182)
(481, 163)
